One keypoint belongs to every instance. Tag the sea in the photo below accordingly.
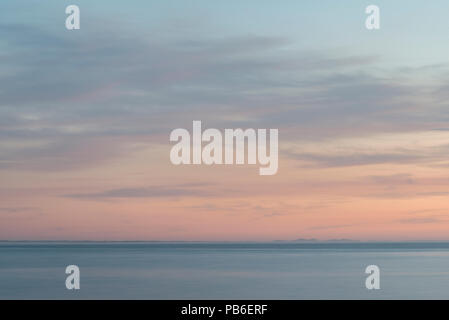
(224, 270)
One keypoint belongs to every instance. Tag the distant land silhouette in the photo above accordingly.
(317, 240)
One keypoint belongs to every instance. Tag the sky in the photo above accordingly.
(85, 119)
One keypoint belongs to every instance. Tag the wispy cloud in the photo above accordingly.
(424, 220)
(186, 190)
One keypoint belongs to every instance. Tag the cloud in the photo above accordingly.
(420, 148)
(185, 190)
(338, 226)
(351, 159)
(424, 220)
(64, 153)
(17, 209)
(399, 178)
(80, 91)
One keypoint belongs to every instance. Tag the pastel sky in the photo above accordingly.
(85, 119)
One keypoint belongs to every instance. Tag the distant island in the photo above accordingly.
(305, 240)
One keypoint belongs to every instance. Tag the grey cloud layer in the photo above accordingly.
(430, 156)
(185, 190)
(80, 90)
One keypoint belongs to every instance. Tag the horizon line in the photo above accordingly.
(308, 241)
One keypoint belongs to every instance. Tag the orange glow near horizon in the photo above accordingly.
(142, 196)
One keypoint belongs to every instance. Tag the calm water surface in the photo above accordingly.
(136, 270)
